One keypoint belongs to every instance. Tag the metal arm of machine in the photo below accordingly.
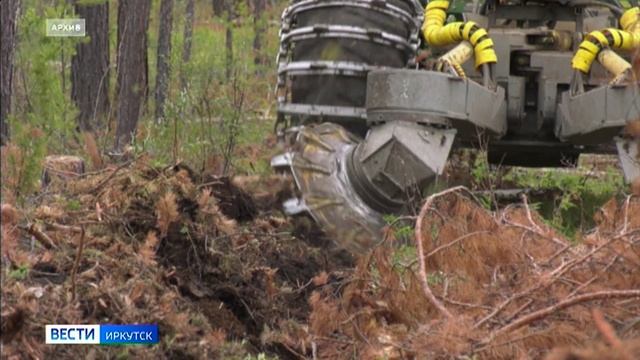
(600, 114)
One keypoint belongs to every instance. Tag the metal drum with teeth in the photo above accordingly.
(318, 163)
(327, 48)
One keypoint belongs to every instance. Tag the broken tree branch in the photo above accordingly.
(39, 235)
(426, 207)
(541, 314)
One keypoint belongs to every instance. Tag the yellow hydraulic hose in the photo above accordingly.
(460, 54)
(626, 39)
(436, 33)
(614, 63)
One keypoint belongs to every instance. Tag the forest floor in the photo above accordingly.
(225, 275)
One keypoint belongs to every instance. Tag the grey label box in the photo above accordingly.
(65, 27)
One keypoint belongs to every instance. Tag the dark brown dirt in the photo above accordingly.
(161, 246)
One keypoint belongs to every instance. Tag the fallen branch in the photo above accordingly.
(541, 314)
(426, 207)
(61, 227)
(40, 236)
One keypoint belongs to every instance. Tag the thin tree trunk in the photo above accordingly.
(188, 35)
(230, 9)
(164, 52)
(90, 67)
(8, 18)
(133, 21)
(258, 8)
(219, 7)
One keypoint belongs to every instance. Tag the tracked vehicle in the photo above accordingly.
(368, 128)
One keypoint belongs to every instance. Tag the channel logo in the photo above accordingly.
(102, 334)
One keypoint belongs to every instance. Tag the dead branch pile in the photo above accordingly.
(489, 285)
(140, 244)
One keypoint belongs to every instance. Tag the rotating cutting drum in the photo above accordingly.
(327, 48)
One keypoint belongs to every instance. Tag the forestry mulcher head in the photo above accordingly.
(366, 135)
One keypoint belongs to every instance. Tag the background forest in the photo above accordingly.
(184, 81)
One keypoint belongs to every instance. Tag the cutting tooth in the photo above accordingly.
(282, 161)
(302, 163)
(295, 206)
(314, 138)
(318, 203)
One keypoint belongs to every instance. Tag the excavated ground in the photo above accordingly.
(206, 258)
(225, 275)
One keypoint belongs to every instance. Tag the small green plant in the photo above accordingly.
(480, 171)
(404, 256)
(260, 356)
(74, 205)
(436, 278)
(575, 195)
(402, 228)
(22, 161)
(20, 273)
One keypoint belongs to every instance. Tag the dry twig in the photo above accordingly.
(451, 243)
(76, 263)
(113, 174)
(605, 329)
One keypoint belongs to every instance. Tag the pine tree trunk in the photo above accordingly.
(219, 7)
(258, 8)
(164, 53)
(90, 67)
(8, 19)
(133, 21)
(188, 35)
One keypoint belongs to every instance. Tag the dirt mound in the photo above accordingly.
(492, 285)
(139, 244)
